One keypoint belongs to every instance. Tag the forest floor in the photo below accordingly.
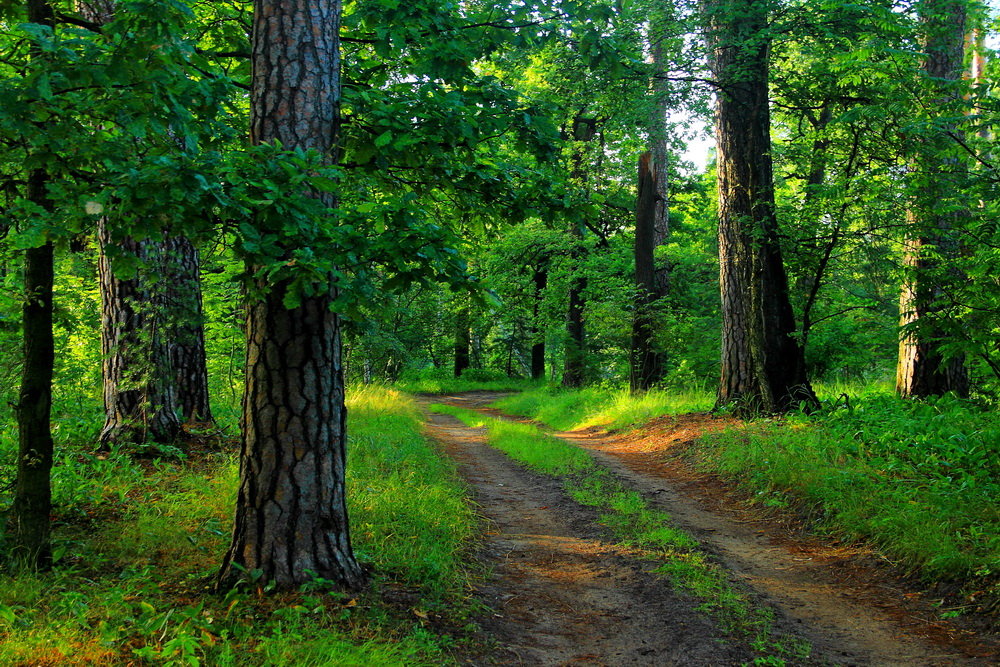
(561, 592)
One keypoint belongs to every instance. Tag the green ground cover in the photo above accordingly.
(139, 542)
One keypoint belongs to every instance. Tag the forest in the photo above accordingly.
(538, 332)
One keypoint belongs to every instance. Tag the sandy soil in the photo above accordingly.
(561, 595)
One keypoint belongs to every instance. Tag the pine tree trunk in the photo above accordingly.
(291, 516)
(921, 369)
(29, 515)
(182, 267)
(139, 396)
(763, 367)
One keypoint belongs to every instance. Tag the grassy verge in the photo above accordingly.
(567, 410)
(139, 543)
(637, 525)
(919, 480)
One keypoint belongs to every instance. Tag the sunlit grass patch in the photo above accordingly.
(568, 410)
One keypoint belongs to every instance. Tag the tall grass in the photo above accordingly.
(138, 546)
(608, 407)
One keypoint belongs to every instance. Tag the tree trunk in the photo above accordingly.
(921, 369)
(29, 514)
(291, 520)
(575, 366)
(463, 340)
(182, 267)
(139, 397)
(646, 360)
(763, 368)
(541, 280)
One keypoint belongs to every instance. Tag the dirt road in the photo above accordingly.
(561, 593)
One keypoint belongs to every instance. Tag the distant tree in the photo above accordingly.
(935, 215)
(186, 328)
(652, 223)
(139, 394)
(291, 516)
(763, 367)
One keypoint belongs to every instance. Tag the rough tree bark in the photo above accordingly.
(921, 369)
(763, 367)
(291, 517)
(139, 395)
(646, 359)
(28, 521)
(182, 267)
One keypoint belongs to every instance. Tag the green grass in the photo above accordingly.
(138, 544)
(451, 385)
(919, 480)
(637, 525)
(611, 408)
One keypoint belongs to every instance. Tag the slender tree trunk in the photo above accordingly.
(652, 227)
(763, 367)
(575, 366)
(541, 280)
(291, 516)
(182, 266)
(463, 340)
(921, 369)
(647, 360)
(29, 515)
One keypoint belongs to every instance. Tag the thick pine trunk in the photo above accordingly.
(182, 267)
(763, 367)
(139, 396)
(291, 516)
(921, 369)
(29, 515)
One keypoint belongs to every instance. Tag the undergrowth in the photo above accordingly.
(920, 480)
(637, 525)
(139, 542)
